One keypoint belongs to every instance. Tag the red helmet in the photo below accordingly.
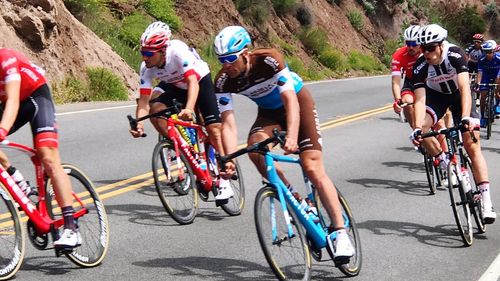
(478, 36)
(156, 35)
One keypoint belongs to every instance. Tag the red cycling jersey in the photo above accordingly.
(14, 66)
(402, 60)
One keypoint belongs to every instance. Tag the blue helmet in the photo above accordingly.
(489, 45)
(231, 39)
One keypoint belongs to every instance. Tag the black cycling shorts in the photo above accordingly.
(206, 104)
(437, 103)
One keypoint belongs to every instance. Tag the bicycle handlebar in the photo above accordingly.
(258, 147)
(447, 131)
(167, 112)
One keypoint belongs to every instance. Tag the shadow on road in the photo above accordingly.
(445, 235)
(414, 188)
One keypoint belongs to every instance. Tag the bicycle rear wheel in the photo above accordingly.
(429, 170)
(354, 266)
(474, 197)
(235, 204)
(489, 113)
(12, 247)
(288, 257)
(178, 195)
(93, 226)
(460, 204)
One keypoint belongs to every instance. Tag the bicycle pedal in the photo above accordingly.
(339, 261)
(63, 251)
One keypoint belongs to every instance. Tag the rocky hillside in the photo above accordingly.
(53, 38)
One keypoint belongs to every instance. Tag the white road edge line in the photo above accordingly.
(493, 272)
(93, 110)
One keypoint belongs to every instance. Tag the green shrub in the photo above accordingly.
(491, 10)
(465, 23)
(69, 90)
(132, 28)
(333, 59)
(284, 7)
(390, 46)
(314, 40)
(104, 85)
(304, 16)
(82, 8)
(207, 53)
(356, 19)
(253, 10)
(359, 61)
(163, 10)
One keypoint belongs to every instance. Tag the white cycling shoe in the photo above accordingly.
(224, 191)
(69, 239)
(489, 215)
(341, 247)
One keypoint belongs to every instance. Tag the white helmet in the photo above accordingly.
(411, 33)
(489, 45)
(431, 33)
(231, 39)
(156, 35)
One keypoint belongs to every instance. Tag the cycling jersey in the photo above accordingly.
(474, 54)
(441, 82)
(14, 66)
(490, 69)
(401, 60)
(268, 78)
(181, 61)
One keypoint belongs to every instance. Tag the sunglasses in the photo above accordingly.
(488, 52)
(148, 54)
(411, 43)
(231, 58)
(428, 48)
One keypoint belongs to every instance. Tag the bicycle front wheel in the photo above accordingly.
(12, 247)
(460, 204)
(288, 257)
(93, 226)
(474, 197)
(175, 183)
(489, 113)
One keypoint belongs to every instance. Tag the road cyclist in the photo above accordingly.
(488, 73)
(437, 90)
(284, 103)
(183, 76)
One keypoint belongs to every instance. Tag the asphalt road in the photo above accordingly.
(406, 233)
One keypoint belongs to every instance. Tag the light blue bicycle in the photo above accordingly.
(286, 246)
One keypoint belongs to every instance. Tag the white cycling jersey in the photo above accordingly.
(181, 61)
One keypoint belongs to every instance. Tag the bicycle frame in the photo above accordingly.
(37, 214)
(181, 146)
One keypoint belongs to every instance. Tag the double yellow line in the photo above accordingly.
(145, 180)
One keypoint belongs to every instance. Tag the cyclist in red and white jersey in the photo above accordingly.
(25, 97)
(183, 76)
(402, 62)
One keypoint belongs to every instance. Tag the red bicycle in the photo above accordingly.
(185, 167)
(44, 217)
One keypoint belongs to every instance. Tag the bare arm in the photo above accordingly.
(419, 107)
(396, 87)
(463, 86)
(292, 109)
(12, 90)
(229, 131)
(193, 89)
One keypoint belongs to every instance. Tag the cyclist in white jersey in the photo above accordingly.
(441, 81)
(183, 76)
(283, 103)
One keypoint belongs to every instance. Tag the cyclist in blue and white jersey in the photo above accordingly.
(441, 82)
(283, 103)
(474, 52)
(488, 72)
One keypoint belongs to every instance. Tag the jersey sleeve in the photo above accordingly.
(186, 59)
(146, 84)
(419, 73)
(9, 68)
(458, 59)
(224, 97)
(396, 65)
(282, 73)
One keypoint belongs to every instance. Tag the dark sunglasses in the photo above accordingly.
(428, 48)
(229, 58)
(488, 52)
(148, 54)
(411, 43)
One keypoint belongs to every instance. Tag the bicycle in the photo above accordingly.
(489, 110)
(435, 176)
(184, 167)
(44, 217)
(278, 214)
(475, 94)
(464, 193)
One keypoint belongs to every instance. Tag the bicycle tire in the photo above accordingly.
(179, 198)
(289, 258)
(355, 263)
(430, 173)
(460, 205)
(474, 197)
(489, 114)
(235, 204)
(12, 244)
(93, 226)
